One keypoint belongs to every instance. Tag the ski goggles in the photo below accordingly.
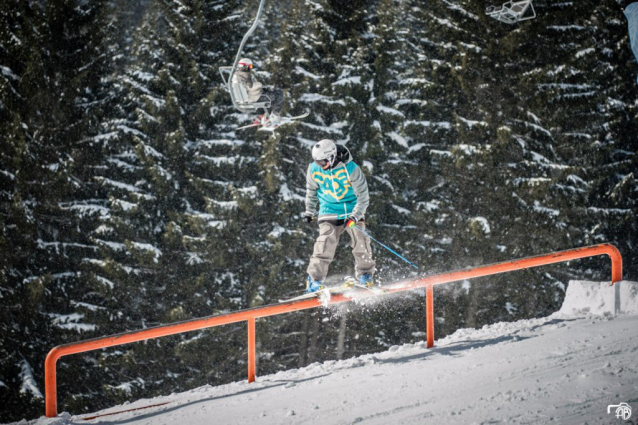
(249, 66)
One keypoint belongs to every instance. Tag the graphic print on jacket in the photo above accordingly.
(333, 183)
(334, 188)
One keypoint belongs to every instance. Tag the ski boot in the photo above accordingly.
(366, 280)
(313, 285)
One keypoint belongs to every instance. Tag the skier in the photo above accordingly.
(342, 191)
(257, 92)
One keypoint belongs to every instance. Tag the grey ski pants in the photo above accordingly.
(326, 245)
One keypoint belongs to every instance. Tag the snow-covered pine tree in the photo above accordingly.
(52, 82)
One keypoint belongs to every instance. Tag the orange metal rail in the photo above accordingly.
(250, 315)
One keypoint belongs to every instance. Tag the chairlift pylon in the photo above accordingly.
(237, 91)
(512, 11)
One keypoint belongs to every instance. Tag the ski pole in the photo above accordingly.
(386, 247)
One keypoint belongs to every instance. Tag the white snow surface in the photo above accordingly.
(563, 369)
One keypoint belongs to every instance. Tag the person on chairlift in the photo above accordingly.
(258, 93)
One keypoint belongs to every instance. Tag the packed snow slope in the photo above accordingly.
(566, 368)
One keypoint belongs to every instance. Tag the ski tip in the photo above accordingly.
(248, 126)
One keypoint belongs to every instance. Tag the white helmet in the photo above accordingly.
(245, 64)
(324, 152)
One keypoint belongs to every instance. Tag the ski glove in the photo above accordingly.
(351, 222)
(308, 218)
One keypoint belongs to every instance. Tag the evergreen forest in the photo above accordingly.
(129, 199)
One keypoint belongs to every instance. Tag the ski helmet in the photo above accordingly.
(245, 64)
(324, 152)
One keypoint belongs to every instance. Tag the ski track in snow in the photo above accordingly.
(565, 368)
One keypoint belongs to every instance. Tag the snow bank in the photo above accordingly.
(600, 298)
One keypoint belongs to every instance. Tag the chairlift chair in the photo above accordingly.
(512, 11)
(239, 95)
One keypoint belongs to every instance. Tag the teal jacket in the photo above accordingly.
(341, 191)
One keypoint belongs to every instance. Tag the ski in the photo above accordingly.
(328, 291)
(374, 289)
(255, 124)
(282, 121)
(347, 286)
(267, 127)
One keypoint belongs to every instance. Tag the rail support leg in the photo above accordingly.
(50, 385)
(251, 350)
(429, 315)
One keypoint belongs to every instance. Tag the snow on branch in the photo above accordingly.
(148, 247)
(29, 386)
(314, 97)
